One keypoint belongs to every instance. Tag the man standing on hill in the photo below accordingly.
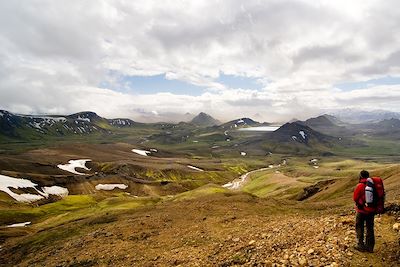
(365, 215)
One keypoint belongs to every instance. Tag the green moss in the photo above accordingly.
(70, 203)
(201, 192)
(239, 169)
(126, 202)
(72, 208)
(106, 166)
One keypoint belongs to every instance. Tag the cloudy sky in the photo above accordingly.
(148, 60)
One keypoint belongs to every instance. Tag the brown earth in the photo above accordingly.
(220, 229)
(230, 229)
(162, 173)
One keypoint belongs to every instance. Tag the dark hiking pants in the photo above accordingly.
(361, 221)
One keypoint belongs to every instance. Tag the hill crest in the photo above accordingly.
(203, 119)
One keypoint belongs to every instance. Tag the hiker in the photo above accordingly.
(369, 198)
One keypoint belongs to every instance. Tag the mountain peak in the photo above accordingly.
(320, 121)
(203, 119)
(298, 132)
(85, 115)
(241, 122)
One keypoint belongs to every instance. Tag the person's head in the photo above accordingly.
(364, 174)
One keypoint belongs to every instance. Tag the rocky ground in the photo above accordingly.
(221, 230)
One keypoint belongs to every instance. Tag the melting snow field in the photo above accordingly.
(72, 164)
(55, 190)
(7, 182)
(303, 134)
(195, 168)
(109, 187)
(18, 225)
(141, 152)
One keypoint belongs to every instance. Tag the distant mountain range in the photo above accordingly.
(323, 129)
(82, 123)
(329, 125)
(360, 116)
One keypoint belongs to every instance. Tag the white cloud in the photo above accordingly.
(54, 55)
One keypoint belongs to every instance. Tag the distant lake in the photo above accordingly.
(260, 129)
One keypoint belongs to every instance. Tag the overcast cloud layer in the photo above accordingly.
(54, 55)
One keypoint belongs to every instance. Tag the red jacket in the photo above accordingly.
(359, 198)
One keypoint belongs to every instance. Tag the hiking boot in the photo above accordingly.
(360, 248)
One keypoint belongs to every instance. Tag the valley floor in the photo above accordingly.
(174, 210)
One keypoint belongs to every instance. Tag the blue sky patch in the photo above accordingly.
(159, 83)
(387, 80)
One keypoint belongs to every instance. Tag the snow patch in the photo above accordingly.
(120, 122)
(7, 182)
(153, 150)
(240, 121)
(36, 125)
(18, 224)
(141, 152)
(109, 187)
(303, 134)
(72, 164)
(47, 119)
(55, 190)
(83, 119)
(195, 168)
